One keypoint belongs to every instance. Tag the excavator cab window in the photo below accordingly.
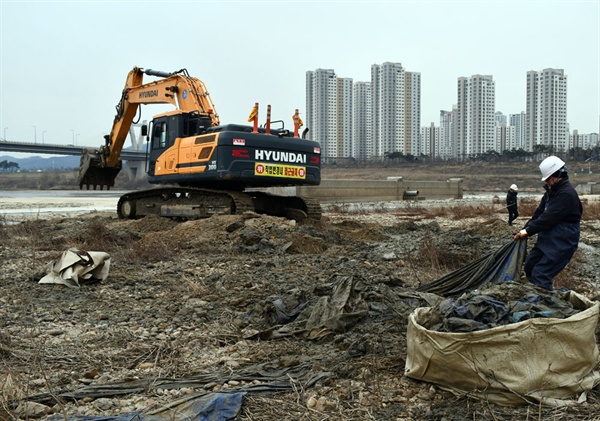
(195, 124)
(159, 137)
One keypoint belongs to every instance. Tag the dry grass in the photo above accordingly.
(527, 206)
(591, 210)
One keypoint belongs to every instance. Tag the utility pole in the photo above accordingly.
(43, 136)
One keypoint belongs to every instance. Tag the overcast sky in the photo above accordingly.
(64, 63)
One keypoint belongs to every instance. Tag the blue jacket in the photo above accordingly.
(560, 204)
(511, 198)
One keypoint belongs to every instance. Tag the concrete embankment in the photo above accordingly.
(392, 189)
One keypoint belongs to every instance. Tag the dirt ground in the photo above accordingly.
(201, 306)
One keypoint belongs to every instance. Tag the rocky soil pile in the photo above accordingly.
(219, 305)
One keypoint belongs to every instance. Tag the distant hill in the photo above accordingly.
(34, 163)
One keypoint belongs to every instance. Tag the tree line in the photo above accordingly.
(538, 153)
(8, 166)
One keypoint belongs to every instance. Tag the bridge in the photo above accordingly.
(135, 157)
(44, 148)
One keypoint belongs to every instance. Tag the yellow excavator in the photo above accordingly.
(203, 167)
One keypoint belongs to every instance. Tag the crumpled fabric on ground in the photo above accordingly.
(75, 267)
(264, 378)
(480, 310)
(333, 313)
(208, 407)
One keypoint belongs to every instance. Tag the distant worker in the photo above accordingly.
(511, 203)
(557, 223)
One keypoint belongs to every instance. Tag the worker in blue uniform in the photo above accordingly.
(556, 221)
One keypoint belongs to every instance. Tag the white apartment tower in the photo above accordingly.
(518, 121)
(447, 134)
(505, 134)
(505, 138)
(475, 117)
(547, 110)
(321, 110)
(387, 96)
(344, 117)
(396, 109)
(430, 136)
(329, 112)
(362, 146)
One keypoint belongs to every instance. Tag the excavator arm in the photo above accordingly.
(101, 166)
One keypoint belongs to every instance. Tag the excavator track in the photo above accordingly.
(314, 210)
(195, 203)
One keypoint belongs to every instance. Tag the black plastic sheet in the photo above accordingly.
(503, 265)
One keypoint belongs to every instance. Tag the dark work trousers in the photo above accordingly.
(551, 253)
(513, 213)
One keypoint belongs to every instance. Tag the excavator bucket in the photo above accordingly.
(92, 172)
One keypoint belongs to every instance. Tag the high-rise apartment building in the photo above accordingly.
(505, 138)
(329, 112)
(321, 110)
(430, 136)
(501, 118)
(475, 117)
(547, 110)
(362, 144)
(344, 117)
(365, 119)
(387, 96)
(412, 112)
(396, 109)
(518, 121)
(584, 141)
(448, 134)
(505, 134)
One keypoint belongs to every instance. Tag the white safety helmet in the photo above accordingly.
(514, 187)
(550, 165)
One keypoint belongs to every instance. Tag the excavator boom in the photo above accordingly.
(101, 166)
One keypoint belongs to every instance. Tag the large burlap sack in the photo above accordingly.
(552, 361)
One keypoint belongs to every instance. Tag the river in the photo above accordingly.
(17, 205)
(37, 204)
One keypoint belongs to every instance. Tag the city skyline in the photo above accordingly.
(385, 117)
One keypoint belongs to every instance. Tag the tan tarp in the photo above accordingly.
(552, 361)
(75, 266)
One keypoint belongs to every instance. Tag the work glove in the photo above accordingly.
(521, 234)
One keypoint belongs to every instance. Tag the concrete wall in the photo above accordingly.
(392, 189)
(591, 187)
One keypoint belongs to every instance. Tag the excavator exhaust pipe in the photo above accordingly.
(92, 172)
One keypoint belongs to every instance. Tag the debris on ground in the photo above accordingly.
(210, 299)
